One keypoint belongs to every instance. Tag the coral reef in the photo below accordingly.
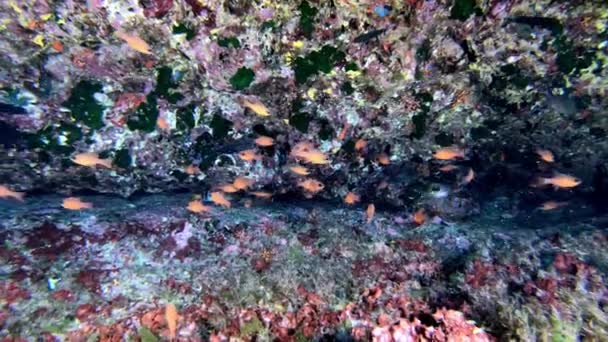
(419, 170)
(292, 273)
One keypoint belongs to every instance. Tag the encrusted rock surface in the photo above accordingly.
(496, 78)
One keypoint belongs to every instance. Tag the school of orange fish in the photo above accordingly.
(307, 153)
(304, 152)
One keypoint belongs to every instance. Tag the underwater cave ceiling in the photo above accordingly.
(175, 94)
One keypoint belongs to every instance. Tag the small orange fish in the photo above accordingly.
(261, 194)
(91, 159)
(198, 207)
(343, 132)
(192, 169)
(242, 183)
(264, 141)
(6, 193)
(219, 199)
(560, 180)
(316, 157)
(552, 205)
(448, 168)
(360, 144)
(299, 170)
(171, 317)
(57, 46)
(448, 153)
(351, 198)
(419, 217)
(469, 177)
(308, 153)
(370, 212)
(249, 155)
(311, 185)
(301, 147)
(229, 188)
(75, 203)
(257, 107)
(545, 155)
(134, 42)
(383, 159)
(162, 124)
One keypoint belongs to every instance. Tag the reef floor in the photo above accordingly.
(293, 272)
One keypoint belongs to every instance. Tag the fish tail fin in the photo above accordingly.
(539, 182)
(106, 163)
(19, 196)
(120, 34)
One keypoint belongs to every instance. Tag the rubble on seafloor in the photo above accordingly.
(293, 273)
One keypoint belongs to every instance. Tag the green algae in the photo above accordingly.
(83, 105)
(268, 25)
(348, 147)
(166, 82)
(94, 337)
(59, 327)
(347, 88)
(57, 138)
(252, 327)
(444, 139)
(122, 158)
(514, 75)
(420, 119)
(479, 133)
(300, 337)
(144, 117)
(242, 78)
(295, 255)
(186, 29)
(426, 100)
(229, 42)
(327, 58)
(423, 53)
(462, 9)
(551, 24)
(220, 126)
(566, 60)
(185, 118)
(304, 68)
(323, 60)
(146, 335)
(352, 66)
(262, 130)
(562, 330)
(300, 121)
(307, 18)
(326, 132)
